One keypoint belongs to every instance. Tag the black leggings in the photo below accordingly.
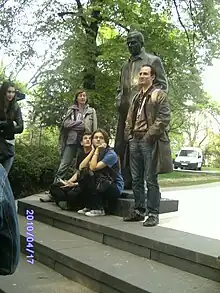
(71, 195)
(96, 200)
(86, 195)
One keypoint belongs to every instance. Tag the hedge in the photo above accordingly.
(33, 168)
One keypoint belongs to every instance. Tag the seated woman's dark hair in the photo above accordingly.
(104, 133)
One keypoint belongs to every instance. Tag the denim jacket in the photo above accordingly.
(9, 228)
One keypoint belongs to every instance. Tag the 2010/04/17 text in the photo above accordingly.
(30, 236)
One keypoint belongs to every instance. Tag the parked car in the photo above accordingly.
(190, 158)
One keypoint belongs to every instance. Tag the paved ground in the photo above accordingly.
(203, 171)
(38, 278)
(199, 210)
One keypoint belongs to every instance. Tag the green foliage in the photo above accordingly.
(33, 168)
(212, 151)
(94, 49)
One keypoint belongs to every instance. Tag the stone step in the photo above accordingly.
(191, 253)
(38, 278)
(125, 204)
(106, 269)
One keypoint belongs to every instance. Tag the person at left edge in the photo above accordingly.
(11, 123)
(9, 228)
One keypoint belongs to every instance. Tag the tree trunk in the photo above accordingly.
(91, 50)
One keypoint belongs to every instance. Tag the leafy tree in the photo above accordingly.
(85, 46)
(212, 150)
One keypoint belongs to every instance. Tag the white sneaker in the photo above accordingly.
(83, 211)
(95, 213)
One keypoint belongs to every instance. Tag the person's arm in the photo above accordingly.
(19, 127)
(73, 178)
(68, 122)
(87, 159)
(161, 79)
(163, 116)
(94, 164)
(77, 125)
(109, 159)
(71, 182)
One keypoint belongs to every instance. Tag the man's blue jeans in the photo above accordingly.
(9, 228)
(142, 170)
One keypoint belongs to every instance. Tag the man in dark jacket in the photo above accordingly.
(129, 87)
(150, 154)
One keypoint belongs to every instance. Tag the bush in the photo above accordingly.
(33, 169)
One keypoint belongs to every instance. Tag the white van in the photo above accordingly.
(189, 158)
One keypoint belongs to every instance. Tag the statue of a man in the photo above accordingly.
(129, 87)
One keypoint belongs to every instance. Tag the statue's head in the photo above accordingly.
(135, 42)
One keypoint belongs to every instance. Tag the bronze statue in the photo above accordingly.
(129, 87)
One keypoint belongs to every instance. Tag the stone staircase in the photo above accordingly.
(108, 255)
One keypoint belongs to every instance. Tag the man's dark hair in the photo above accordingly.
(81, 138)
(153, 71)
(104, 133)
(86, 133)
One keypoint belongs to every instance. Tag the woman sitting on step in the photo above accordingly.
(106, 182)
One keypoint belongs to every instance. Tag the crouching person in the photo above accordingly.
(105, 180)
(67, 194)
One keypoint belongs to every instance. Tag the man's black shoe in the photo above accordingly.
(134, 216)
(151, 221)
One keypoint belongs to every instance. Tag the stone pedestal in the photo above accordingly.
(127, 202)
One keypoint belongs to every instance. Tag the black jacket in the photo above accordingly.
(7, 128)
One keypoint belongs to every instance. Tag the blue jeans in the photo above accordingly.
(142, 170)
(9, 228)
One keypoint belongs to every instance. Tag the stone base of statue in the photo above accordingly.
(127, 202)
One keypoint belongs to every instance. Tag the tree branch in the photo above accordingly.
(183, 26)
(3, 4)
(83, 20)
(117, 24)
(203, 139)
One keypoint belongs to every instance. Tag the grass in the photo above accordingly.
(210, 169)
(186, 179)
